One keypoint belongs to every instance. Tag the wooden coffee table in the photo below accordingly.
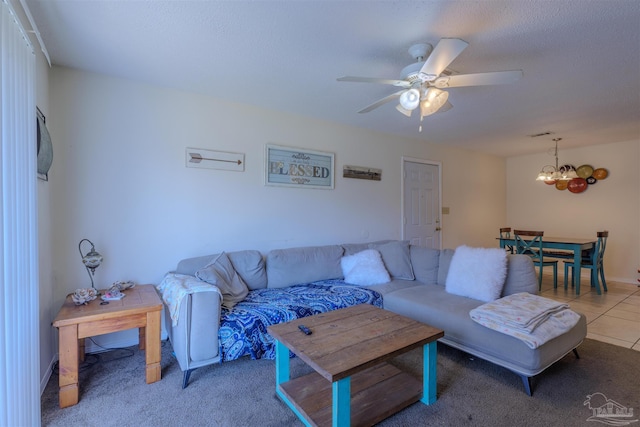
(348, 349)
(140, 308)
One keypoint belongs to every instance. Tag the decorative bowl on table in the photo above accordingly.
(83, 296)
(121, 286)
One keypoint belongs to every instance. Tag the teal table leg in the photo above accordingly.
(342, 402)
(429, 374)
(282, 376)
(577, 270)
(282, 363)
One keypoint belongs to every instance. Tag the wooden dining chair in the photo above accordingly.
(505, 233)
(593, 260)
(530, 243)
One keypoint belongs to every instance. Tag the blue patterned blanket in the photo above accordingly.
(243, 330)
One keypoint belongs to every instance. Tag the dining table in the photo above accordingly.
(572, 244)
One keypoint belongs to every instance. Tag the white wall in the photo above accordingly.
(47, 311)
(119, 179)
(612, 204)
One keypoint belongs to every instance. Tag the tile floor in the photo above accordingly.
(613, 317)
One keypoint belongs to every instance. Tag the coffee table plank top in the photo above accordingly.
(139, 299)
(349, 340)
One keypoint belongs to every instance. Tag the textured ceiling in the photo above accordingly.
(580, 58)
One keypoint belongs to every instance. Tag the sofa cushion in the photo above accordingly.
(425, 264)
(221, 274)
(286, 267)
(250, 266)
(364, 268)
(248, 263)
(521, 275)
(354, 248)
(191, 265)
(444, 260)
(396, 258)
(395, 284)
(477, 273)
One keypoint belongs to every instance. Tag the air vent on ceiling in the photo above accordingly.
(541, 134)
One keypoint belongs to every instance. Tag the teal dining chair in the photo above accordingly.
(505, 233)
(530, 243)
(592, 260)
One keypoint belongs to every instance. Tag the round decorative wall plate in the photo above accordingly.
(584, 171)
(600, 173)
(577, 185)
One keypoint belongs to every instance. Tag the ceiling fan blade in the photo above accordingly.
(479, 79)
(381, 101)
(399, 83)
(443, 54)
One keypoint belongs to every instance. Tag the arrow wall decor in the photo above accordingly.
(210, 159)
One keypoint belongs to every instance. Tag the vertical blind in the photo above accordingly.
(19, 307)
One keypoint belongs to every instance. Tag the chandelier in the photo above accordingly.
(550, 174)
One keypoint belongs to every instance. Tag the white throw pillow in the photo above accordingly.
(364, 268)
(477, 273)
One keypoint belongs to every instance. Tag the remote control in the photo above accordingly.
(304, 329)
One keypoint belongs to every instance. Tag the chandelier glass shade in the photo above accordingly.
(550, 174)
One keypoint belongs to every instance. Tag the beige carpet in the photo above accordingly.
(471, 392)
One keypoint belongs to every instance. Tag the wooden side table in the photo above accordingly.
(140, 308)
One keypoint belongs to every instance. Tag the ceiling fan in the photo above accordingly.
(422, 82)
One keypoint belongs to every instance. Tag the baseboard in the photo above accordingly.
(586, 275)
(47, 375)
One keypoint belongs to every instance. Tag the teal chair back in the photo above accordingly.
(505, 233)
(593, 260)
(601, 245)
(531, 246)
(530, 243)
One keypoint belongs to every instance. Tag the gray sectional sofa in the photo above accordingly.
(416, 290)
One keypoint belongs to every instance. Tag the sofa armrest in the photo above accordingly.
(195, 336)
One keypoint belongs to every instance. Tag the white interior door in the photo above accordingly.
(421, 203)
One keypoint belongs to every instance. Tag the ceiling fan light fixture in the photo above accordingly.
(410, 99)
(403, 110)
(432, 101)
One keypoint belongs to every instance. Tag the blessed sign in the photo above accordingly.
(298, 167)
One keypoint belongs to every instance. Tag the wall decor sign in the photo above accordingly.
(210, 159)
(298, 167)
(361, 172)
